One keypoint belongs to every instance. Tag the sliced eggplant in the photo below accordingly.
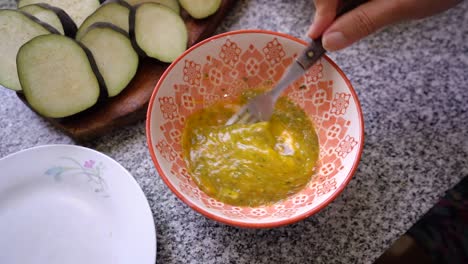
(16, 29)
(115, 12)
(172, 4)
(113, 52)
(78, 10)
(57, 76)
(200, 8)
(158, 32)
(53, 16)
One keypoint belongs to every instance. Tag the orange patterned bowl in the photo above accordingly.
(227, 64)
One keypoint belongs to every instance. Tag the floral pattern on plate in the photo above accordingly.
(91, 170)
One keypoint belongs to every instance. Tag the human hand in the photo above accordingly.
(367, 18)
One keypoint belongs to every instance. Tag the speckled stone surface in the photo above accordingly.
(412, 80)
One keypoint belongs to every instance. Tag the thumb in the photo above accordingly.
(361, 22)
(324, 15)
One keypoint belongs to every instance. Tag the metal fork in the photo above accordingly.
(260, 108)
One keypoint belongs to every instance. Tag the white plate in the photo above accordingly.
(69, 204)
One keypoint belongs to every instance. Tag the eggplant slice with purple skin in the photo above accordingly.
(17, 28)
(58, 76)
(78, 10)
(53, 16)
(116, 12)
(158, 32)
(172, 4)
(113, 52)
(200, 8)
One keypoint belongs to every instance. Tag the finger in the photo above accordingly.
(431, 7)
(325, 13)
(361, 22)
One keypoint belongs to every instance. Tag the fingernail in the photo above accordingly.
(334, 41)
(312, 31)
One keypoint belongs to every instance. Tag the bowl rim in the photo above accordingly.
(240, 223)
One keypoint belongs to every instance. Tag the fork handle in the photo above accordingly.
(315, 48)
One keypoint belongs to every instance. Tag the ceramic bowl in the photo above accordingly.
(224, 66)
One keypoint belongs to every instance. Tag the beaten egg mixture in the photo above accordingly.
(254, 164)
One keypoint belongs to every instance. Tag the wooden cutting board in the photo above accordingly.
(130, 106)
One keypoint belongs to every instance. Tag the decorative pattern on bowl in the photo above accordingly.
(222, 67)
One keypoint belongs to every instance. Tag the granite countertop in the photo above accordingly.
(412, 81)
